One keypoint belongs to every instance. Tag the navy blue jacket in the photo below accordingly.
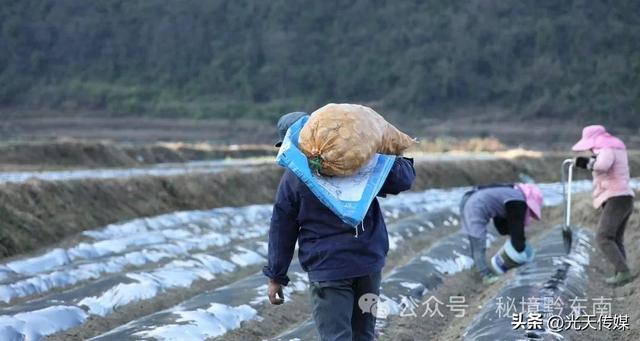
(327, 247)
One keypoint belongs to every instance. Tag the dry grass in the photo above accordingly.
(450, 144)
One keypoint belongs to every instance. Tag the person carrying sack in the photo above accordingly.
(342, 266)
(511, 207)
(612, 194)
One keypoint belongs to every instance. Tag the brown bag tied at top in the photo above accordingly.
(339, 139)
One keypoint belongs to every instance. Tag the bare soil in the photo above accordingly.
(447, 326)
(138, 129)
(297, 309)
(624, 299)
(534, 134)
(67, 154)
(36, 214)
(96, 325)
(540, 134)
(39, 213)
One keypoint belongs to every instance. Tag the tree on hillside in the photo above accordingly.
(221, 58)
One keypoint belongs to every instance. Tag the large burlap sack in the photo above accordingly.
(339, 139)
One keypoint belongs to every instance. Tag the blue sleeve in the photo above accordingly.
(283, 231)
(400, 177)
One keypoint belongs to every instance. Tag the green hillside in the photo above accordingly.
(222, 58)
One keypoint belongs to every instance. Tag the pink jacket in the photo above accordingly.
(610, 175)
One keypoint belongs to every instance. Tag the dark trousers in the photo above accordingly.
(337, 313)
(610, 237)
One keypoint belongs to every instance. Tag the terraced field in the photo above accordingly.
(195, 275)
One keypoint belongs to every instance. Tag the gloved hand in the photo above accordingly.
(585, 162)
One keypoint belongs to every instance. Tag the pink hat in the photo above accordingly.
(596, 137)
(533, 196)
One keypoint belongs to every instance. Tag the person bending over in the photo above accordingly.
(510, 206)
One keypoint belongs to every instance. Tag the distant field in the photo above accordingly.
(221, 131)
(539, 135)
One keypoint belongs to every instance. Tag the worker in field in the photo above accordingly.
(341, 266)
(612, 194)
(511, 207)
